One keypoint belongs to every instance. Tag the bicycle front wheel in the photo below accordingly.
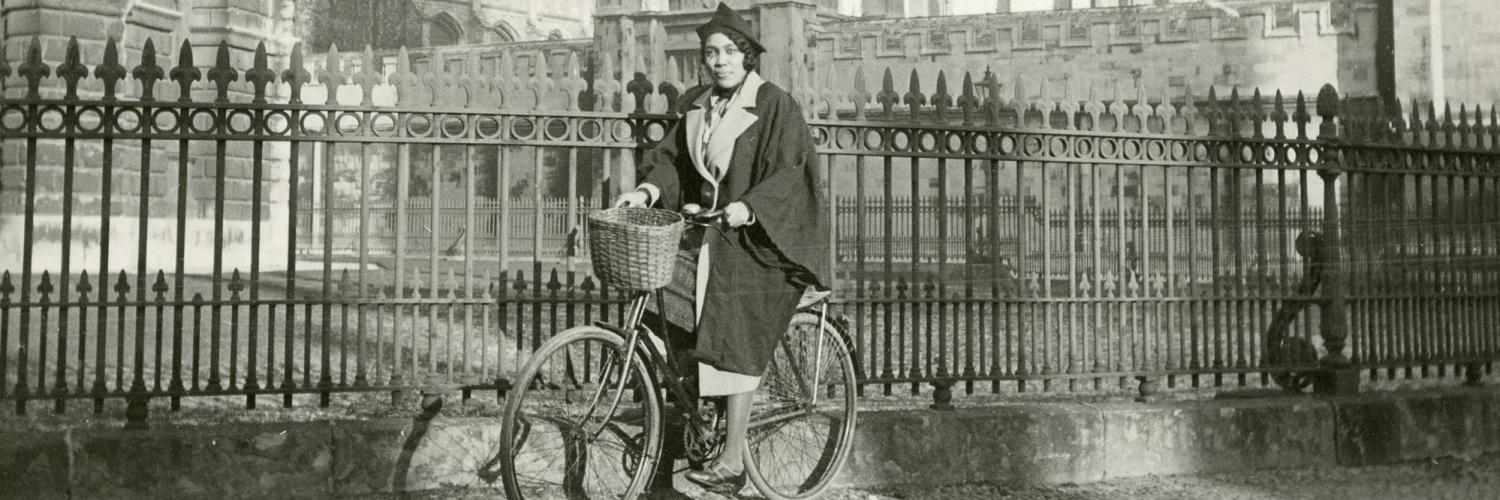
(802, 425)
(574, 430)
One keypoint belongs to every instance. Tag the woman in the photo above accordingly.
(742, 147)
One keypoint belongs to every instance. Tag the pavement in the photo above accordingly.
(1455, 478)
(1452, 478)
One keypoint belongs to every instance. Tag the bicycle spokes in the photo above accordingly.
(587, 441)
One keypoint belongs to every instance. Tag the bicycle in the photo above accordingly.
(598, 390)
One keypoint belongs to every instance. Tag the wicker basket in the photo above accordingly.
(634, 248)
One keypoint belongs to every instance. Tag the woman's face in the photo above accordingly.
(724, 60)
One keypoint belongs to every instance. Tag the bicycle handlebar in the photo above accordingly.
(706, 217)
(694, 215)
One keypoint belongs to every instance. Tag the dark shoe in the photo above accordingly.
(718, 479)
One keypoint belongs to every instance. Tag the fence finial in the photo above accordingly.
(640, 85)
(672, 87)
(1433, 125)
(968, 101)
(1278, 115)
(84, 287)
(861, 93)
(122, 284)
(1494, 130)
(222, 74)
(573, 83)
(160, 287)
(5, 287)
(1166, 111)
(408, 86)
(1142, 109)
(1213, 112)
(237, 284)
(34, 69)
(1463, 126)
(331, 73)
(185, 73)
(472, 89)
(1300, 115)
(888, 98)
(295, 75)
(941, 99)
(914, 97)
(72, 69)
(368, 77)
(147, 72)
(1395, 131)
(606, 85)
(1447, 124)
(1415, 122)
(260, 74)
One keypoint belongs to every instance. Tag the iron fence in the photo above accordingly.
(1178, 241)
(563, 232)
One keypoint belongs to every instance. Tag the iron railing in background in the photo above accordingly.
(1153, 240)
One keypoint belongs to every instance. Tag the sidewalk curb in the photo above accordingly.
(1040, 443)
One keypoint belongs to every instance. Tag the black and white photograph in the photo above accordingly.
(749, 249)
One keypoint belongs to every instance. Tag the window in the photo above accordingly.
(454, 66)
(688, 62)
(525, 66)
(443, 30)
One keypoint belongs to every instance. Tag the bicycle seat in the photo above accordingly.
(812, 296)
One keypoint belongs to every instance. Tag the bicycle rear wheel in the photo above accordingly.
(573, 431)
(802, 425)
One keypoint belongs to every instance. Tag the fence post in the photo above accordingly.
(1337, 377)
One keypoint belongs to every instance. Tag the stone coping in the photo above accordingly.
(1035, 442)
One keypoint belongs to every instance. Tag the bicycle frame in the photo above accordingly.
(686, 402)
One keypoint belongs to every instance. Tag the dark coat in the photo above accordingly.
(759, 271)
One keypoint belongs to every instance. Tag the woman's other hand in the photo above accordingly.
(633, 199)
(738, 214)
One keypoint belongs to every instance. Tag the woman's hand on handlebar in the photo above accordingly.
(736, 214)
(633, 199)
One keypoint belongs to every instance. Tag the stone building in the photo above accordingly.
(1093, 50)
(1070, 51)
(388, 24)
(241, 25)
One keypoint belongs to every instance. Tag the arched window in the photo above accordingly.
(555, 35)
(504, 33)
(443, 30)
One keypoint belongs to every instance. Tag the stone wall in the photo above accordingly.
(1470, 51)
